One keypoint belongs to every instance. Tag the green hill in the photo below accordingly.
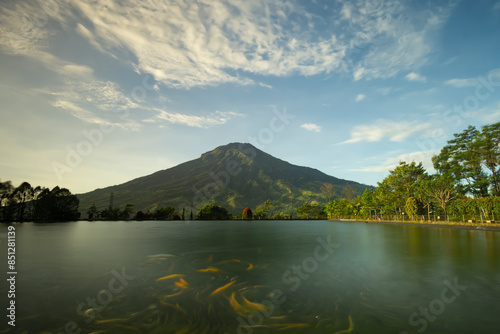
(234, 176)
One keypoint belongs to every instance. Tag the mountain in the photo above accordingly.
(235, 176)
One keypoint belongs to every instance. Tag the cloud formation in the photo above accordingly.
(395, 131)
(311, 127)
(412, 76)
(206, 121)
(390, 163)
(187, 44)
(360, 97)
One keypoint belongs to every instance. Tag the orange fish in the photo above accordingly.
(222, 288)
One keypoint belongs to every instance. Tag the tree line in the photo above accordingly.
(464, 187)
(27, 203)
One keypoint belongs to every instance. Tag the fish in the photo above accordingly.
(105, 321)
(208, 270)
(181, 283)
(173, 295)
(237, 306)
(288, 326)
(351, 327)
(222, 288)
(250, 266)
(88, 312)
(254, 306)
(169, 277)
(166, 304)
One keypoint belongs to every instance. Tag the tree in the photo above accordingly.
(262, 210)
(310, 210)
(442, 189)
(57, 204)
(213, 212)
(412, 207)
(247, 214)
(164, 213)
(461, 159)
(92, 212)
(488, 144)
(6, 190)
(368, 202)
(23, 194)
(401, 183)
(125, 213)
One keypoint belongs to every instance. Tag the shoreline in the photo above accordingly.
(453, 225)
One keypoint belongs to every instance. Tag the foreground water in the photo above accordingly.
(253, 277)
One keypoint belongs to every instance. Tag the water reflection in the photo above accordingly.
(254, 277)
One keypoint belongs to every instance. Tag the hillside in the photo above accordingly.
(235, 176)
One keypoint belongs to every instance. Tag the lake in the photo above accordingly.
(253, 277)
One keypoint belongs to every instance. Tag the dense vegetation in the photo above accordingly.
(25, 203)
(464, 187)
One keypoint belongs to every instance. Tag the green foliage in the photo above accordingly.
(164, 213)
(338, 209)
(247, 214)
(310, 210)
(440, 188)
(213, 212)
(262, 211)
(471, 158)
(488, 207)
(412, 207)
(402, 182)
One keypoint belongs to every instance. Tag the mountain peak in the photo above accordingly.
(235, 175)
(235, 148)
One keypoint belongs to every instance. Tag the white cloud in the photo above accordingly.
(360, 97)
(462, 83)
(473, 82)
(486, 116)
(207, 43)
(92, 118)
(311, 127)
(395, 131)
(412, 76)
(387, 39)
(390, 163)
(210, 42)
(207, 121)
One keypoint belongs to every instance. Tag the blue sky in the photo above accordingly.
(95, 93)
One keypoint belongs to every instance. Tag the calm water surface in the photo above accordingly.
(253, 277)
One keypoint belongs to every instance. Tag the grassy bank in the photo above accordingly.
(458, 225)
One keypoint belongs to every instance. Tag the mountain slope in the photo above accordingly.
(235, 176)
